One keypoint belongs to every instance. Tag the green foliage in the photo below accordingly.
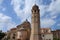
(2, 35)
(56, 39)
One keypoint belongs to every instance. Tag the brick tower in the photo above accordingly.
(35, 23)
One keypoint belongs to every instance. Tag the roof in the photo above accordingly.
(56, 30)
(13, 29)
(45, 28)
(25, 23)
(45, 31)
(35, 7)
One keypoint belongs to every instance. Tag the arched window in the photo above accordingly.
(35, 11)
(13, 36)
(19, 39)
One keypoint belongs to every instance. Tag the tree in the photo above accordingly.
(56, 39)
(2, 35)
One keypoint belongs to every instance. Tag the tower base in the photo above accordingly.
(35, 37)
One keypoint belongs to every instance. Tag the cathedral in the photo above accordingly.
(27, 30)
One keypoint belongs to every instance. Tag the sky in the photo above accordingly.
(15, 12)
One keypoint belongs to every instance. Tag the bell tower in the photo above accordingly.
(35, 23)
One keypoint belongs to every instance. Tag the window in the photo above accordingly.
(19, 39)
(49, 39)
(46, 31)
(13, 36)
(35, 10)
(43, 35)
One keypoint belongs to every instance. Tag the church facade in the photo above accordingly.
(29, 31)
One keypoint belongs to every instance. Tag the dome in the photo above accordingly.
(35, 7)
(24, 24)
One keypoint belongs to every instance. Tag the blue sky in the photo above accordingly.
(14, 12)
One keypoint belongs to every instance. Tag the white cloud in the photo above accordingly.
(47, 22)
(53, 17)
(3, 9)
(6, 22)
(54, 7)
(1, 6)
(1, 1)
(24, 13)
(58, 25)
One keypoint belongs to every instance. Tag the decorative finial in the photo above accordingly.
(26, 20)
